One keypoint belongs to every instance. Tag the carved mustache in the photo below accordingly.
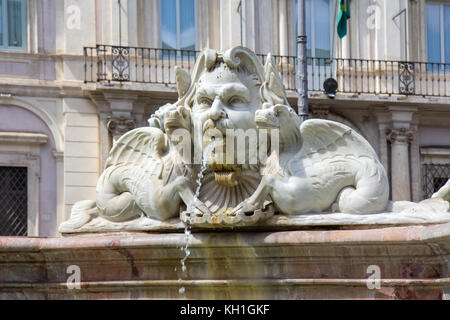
(222, 125)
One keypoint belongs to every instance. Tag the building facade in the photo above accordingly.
(76, 74)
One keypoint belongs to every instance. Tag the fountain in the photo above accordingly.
(187, 230)
(271, 207)
(314, 173)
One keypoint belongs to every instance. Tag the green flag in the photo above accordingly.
(343, 16)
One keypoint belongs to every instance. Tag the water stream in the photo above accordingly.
(187, 230)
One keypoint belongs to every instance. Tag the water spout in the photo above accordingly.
(187, 230)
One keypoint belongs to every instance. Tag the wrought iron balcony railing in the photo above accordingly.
(356, 76)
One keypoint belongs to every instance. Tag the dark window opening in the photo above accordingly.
(13, 201)
(434, 178)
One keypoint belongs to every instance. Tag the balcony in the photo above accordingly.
(108, 64)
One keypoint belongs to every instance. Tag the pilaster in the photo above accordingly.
(384, 123)
(60, 212)
(119, 113)
(283, 25)
(401, 135)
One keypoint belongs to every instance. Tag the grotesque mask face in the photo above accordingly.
(225, 100)
(223, 94)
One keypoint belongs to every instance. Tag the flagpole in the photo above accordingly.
(302, 72)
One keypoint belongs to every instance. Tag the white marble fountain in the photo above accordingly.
(232, 153)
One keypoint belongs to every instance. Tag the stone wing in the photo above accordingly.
(323, 139)
(141, 147)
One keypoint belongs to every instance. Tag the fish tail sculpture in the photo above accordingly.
(365, 194)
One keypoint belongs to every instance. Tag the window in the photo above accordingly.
(438, 32)
(318, 27)
(13, 26)
(434, 177)
(13, 201)
(178, 24)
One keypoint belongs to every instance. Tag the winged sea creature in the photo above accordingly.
(320, 166)
(145, 175)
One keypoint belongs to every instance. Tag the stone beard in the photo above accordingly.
(225, 101)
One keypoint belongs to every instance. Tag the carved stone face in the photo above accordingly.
(225, 99)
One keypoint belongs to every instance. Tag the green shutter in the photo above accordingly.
(13, 29)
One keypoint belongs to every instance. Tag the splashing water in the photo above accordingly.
(187, 230)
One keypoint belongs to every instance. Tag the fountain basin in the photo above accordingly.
(306, 264)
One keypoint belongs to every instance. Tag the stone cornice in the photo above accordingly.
(37, 88)
(23, 138)
(435, 151)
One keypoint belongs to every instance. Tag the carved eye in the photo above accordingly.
(204, 102)
(236, 100)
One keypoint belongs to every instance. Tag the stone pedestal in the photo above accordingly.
(310, 264)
